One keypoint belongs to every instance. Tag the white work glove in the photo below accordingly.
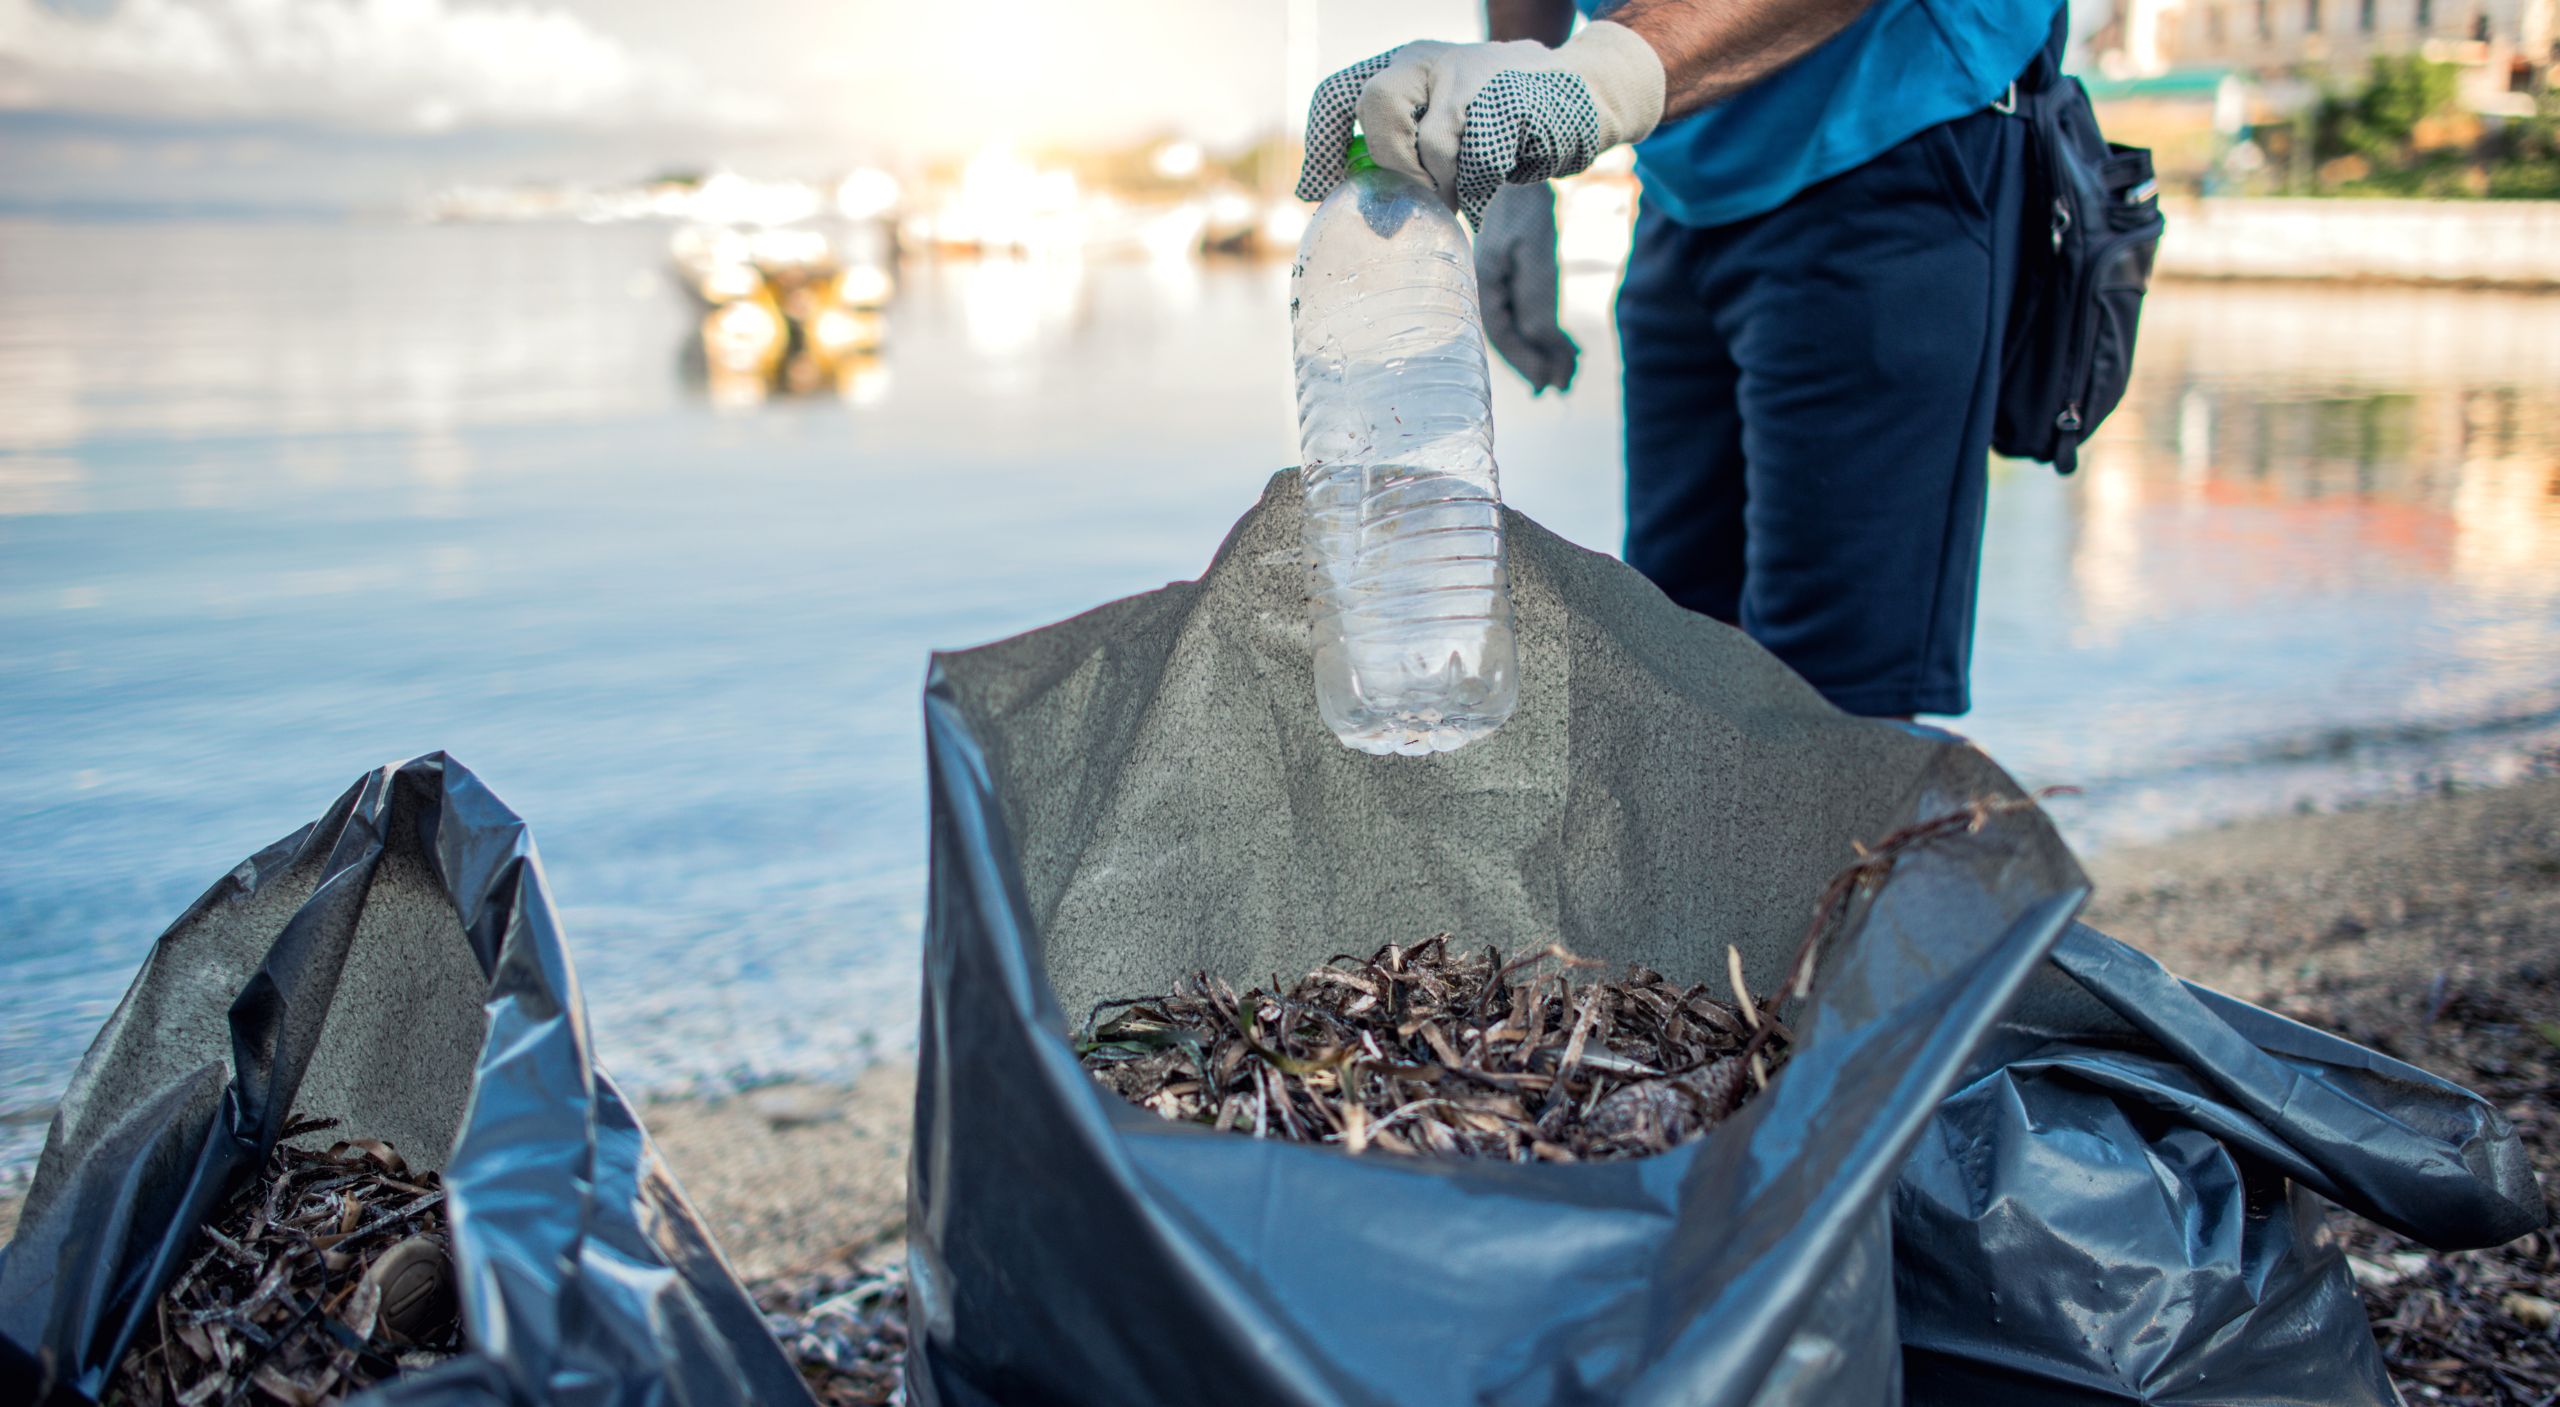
(1468, 118)
(1516, 281)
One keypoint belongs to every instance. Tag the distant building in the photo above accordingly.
(2287, 48)
(2220, 89)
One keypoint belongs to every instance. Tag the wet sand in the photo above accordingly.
(2374, 918)
(2375, 897)
(788, 1177)
(2351, 914)
(794, 1177)
(2429, 931)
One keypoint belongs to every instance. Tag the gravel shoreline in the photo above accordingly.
(2429, 928)
(794, 1178)
(2347, 912)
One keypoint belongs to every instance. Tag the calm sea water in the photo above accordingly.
(279, 503)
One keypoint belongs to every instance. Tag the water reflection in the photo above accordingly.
(309, 329)
(1011, 304)
(2315, 556)
(281, 502)
(795, 311)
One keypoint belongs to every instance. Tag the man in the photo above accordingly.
(1812, 316)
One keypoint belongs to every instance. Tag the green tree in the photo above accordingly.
(2524, 155)
(2379, 121)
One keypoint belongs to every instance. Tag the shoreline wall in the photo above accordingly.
(2474, 243)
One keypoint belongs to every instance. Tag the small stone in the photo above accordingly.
(2533, 1311)
(415, 1279)
(787, 1106)
(2390, 1270)
(1649, 1112)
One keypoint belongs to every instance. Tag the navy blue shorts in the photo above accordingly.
(1808, 413)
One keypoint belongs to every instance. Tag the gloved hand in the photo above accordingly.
(1516, 278)
(1469, 117)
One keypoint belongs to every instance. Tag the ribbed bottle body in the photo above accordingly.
(1411, 609)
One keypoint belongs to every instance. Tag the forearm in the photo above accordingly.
(1713, 49)
(1549, 22)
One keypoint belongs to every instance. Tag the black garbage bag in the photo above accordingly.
(2131, 1210)
(395, 965)
(1146, 790)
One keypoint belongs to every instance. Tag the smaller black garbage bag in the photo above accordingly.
(2127, 1204)
(395, 965)
(1146, 790)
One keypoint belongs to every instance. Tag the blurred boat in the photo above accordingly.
(747, 335)
(865, 286)
(785, 312)
(719, 265)
(1232, 223)
(836, 332)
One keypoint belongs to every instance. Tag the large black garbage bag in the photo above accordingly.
(2131, 1211)
(1146, 790)
(396, 965)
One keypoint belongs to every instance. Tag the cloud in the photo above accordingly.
(430, 65)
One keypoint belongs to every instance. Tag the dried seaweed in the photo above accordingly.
(2475, 1328)
(846, 1331)
(322, 1277)
(1435, 1049)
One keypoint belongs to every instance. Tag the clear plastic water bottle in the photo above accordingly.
(1412, 611)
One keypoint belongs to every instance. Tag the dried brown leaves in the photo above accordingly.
(2475, 1328)
(328, 1274)
(2467, 1327)
(1428, 1049)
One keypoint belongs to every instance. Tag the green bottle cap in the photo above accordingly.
(1355, 156)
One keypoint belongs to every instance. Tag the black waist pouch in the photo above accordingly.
(2094, 223)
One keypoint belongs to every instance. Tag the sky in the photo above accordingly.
(330, 103)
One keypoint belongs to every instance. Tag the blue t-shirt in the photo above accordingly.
(1900, 68)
